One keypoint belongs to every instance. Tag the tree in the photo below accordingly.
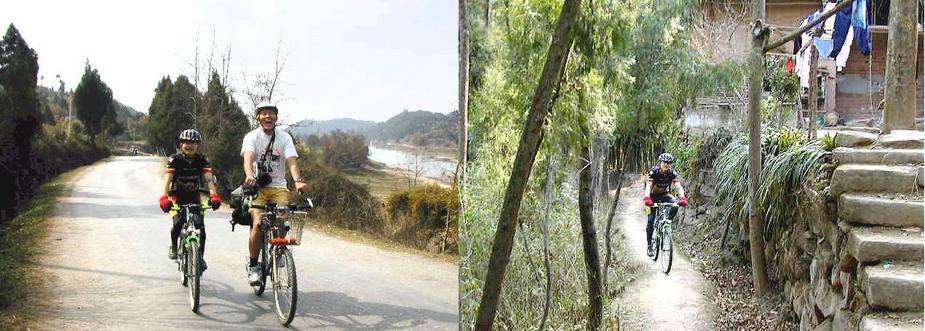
(588, 230)
(543, 101)
(755, 87)
(93, 100)
(899, 104)
(159, 116)
(463, 80)
(222, 135)
(19, 110)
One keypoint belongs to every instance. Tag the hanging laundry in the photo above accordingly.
(841, 60)
(841, 24)
(860, 21)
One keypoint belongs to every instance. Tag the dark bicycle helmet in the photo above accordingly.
(190, 135)
(666, 157)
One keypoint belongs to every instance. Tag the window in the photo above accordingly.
(880, 12)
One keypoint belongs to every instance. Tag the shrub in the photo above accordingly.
(425, 215)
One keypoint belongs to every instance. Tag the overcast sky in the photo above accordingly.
(359, 59)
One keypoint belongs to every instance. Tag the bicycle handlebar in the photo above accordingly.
(290, 207)
(177, 207)
(666, 204)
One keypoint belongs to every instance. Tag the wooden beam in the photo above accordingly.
(841, 5)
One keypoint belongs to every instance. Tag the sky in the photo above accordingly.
(366, 60)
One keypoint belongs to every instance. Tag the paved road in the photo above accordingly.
(680, 300)
(107, 257)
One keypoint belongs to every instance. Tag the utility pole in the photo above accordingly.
(70, 106)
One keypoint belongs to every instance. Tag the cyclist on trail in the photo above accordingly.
(662, 180)
(265, 149)
(184, 177)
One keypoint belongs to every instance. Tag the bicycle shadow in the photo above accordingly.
(316, 310)
(338, 310)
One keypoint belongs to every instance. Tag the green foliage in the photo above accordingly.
(421, 128)
(173, 110)
(93, 103)
(423, 213)
(790, 165)
(223, 126)
(784, 87)
(629, 73)
(340, 201)
(829, 142)
(344, 150)
(19, 120)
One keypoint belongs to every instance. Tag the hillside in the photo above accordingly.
(53, 104)
(419, 128)
(310, 127)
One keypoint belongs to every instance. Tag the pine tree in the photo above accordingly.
(93, 102)
(19, 111)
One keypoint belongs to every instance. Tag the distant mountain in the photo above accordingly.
(310, 127)
(421, 128)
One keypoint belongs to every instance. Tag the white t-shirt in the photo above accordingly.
(283, 148)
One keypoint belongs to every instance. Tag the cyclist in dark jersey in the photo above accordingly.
(185, 175)
(662, 179)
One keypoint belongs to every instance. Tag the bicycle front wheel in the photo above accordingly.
(193, 263)
(181, 263)
(285, 286)
(667, 248)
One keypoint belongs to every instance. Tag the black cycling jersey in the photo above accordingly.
(661, 181)
(187, 173)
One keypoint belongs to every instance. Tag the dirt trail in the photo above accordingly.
(681, 300)
(106, 258)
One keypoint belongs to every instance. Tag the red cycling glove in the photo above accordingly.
(648, 201)
(165, 203)
(215, 201)
(683, 202)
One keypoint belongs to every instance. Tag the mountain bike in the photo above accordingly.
(663, 236)
(189, 260)
(282, 227)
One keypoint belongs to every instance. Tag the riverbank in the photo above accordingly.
(447, 154)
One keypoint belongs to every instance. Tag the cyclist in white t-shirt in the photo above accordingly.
(267, 164)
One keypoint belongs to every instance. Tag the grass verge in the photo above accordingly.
(19, 245)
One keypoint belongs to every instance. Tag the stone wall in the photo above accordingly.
(807, 258)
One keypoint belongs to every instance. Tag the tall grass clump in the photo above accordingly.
(790, 164)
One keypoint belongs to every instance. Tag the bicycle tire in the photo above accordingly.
(668, 252)
(194, 273)
(181, 262)
(656, 242)
(285, 285)
(262, 265)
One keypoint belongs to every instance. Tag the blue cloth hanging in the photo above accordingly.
(840, 31)
(860, 20)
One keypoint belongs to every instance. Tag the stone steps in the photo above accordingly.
(909, 139)
(881, 209)
(895, 286)
(878, 156)
(892, 322)
(854, 138)
(876, 178)
(880, 243)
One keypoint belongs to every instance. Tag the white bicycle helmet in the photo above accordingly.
(266, 105)
(190, 135)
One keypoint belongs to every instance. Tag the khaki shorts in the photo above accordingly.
(277, 195)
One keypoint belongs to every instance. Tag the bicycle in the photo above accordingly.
(282, 227)
(188, 251)
(663, 236)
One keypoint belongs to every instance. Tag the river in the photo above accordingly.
(430, 166)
